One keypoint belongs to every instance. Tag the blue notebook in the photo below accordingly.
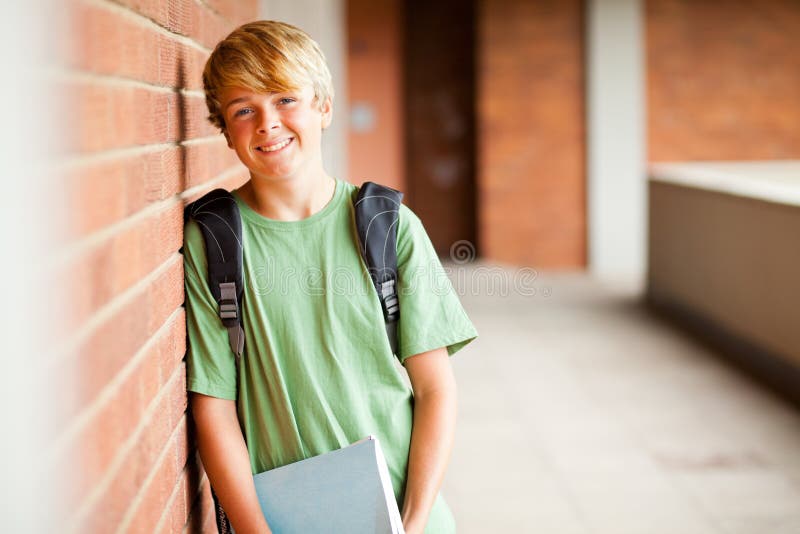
(344, 491)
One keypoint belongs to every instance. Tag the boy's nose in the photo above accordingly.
(268, 121)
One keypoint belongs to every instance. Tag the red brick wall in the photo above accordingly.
(375, 77)
(723, 79)
(531, 162)
(139, 147)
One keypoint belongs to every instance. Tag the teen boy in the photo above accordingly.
(317, 371)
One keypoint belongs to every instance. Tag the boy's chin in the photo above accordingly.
(273, 176)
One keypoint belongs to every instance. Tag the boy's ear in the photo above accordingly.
(227, 138)
(327, 112)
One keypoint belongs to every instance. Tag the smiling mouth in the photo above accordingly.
(275, 147)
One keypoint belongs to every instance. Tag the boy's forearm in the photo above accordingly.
(225, 459)
(431, 443)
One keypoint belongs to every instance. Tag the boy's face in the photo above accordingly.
(276, 135)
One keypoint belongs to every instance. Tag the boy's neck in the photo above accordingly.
(288, 200)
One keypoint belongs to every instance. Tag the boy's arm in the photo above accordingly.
(225, 459)
(432, 436)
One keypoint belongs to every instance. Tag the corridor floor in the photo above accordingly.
(580, 412)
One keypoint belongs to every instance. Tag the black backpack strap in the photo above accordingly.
(377, 208)
(223, 523)
(218, 216)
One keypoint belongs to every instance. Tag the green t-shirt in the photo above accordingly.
(317, 372)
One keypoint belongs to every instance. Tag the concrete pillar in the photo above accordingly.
(616, 137)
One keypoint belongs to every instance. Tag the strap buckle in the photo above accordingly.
(229, 314)
(389, 300)
(228, 304)
(228, 309)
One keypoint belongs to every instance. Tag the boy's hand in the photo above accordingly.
(413, 527)
(432, 433)
(227, 464)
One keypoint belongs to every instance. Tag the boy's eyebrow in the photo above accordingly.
(246, 98)
(236, 101)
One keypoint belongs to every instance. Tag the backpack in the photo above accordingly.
(217, 214)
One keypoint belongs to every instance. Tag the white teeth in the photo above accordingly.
(273, 148)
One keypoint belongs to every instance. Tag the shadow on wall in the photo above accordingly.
(200, 508)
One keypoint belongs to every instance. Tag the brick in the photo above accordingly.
(167, 476)
(106, 116)
(208, 160)
(155, 437)
(112, 115)
(104, 192)
(195, 483)
(101, 273)
(176, 514)
(375, 75)
(156, 10)
(118, 338)
(150, 510)
(180, 14)
(106, 41)
(723, 80)
(105, 433)
(236, 11)
(114, 341)
(196, 122)
(208, 28)
(186, 17)
(531, 163)
(180, 65)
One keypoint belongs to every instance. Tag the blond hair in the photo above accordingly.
(265, 56)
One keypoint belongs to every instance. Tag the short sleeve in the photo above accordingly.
(210, 363)
(431, 315)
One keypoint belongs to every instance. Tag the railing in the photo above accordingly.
(724, 257)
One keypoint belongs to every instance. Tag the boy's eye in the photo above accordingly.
(286, 100)
(242, 111)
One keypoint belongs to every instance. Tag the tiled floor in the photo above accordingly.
(582, 413)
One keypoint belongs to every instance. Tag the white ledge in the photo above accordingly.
(772, 181)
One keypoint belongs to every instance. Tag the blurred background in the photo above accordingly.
(613, 186)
